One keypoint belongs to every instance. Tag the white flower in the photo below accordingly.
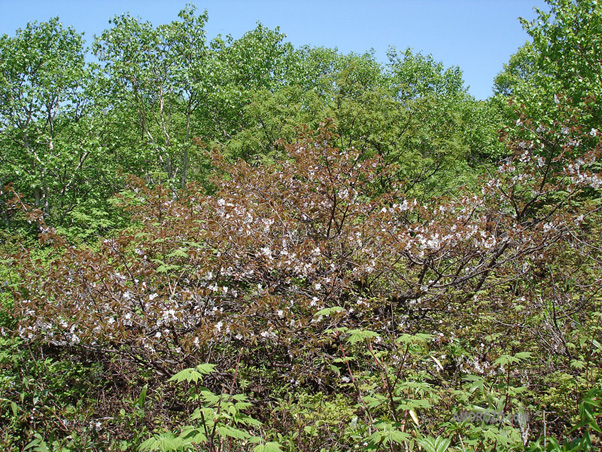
(218, 325)
(168, 315)
(268, 334)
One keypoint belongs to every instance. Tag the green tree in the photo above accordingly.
(48, 122)
(415, 76)
(250, 68)
(446, 128)
(563, 61)
(415, 113)
(518, 73)
(568, 42)
(155, 79)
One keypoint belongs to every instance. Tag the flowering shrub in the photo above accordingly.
(280, 256)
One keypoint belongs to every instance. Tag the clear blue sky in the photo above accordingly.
(477, 35)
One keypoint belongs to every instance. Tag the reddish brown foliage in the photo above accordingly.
(250, 266)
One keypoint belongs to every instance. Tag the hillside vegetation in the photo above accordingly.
(239, 245)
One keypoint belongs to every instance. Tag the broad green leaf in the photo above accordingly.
(430, 444)
(193, 374)
(268, 447)
(178, 253)
(419, 338)
(193, 435)
(226, 431)
(328, 311)
(360, 336)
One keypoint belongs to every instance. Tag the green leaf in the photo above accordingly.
(328, 311)
(193, 435)
(164, 442)
(430, 444)
(193, 374)
(512, 359)
(226, 431)
(521, 356)
(388, 434)
(38, 443)
(268, 447)
(178, 253)
(166, 268)
(149, 444)
(577, 364)
(419, 338)
(168, 442)
(360, 336)
(142, 397)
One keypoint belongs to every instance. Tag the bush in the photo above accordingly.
(304, 274)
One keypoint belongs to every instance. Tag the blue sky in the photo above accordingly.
(477, 35)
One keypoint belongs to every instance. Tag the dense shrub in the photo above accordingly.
(300, 275)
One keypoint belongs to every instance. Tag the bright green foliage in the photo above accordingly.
(518, 73)
(568, 45)
(193, 375)
(430, 444)
(416, 76)
(561, 62)
(413, 112)
(49, 124)
(155, 79)
(220, 422)
(447, 131)
(252, 77)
